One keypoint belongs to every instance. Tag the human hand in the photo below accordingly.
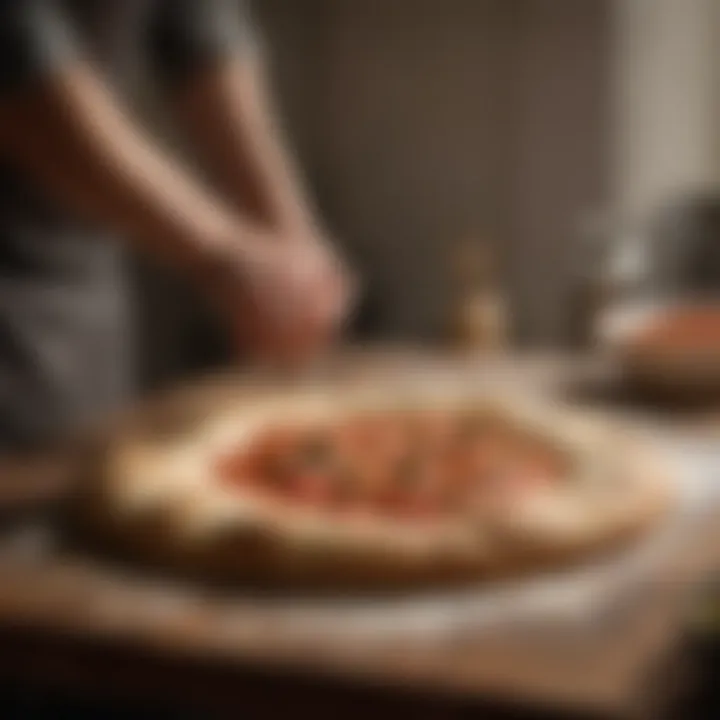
(285, 296)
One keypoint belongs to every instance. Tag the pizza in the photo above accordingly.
(692, 329)
(673, 348)
(330, 489)
(684, 342)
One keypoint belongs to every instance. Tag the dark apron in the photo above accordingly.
(65, 341)
(66, 351)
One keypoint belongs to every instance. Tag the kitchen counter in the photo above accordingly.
(72, 622)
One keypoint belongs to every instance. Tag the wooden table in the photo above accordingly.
(75, 623)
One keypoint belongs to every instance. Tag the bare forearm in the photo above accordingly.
(71, 138)
(230, 117)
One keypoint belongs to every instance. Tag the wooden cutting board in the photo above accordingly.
(50, 593)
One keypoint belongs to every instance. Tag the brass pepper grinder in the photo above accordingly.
(479, 313)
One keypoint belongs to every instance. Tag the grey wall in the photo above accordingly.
(419, 120)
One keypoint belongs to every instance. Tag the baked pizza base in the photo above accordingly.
(668, 348)
(158, 503)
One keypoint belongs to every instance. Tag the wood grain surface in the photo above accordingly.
(59, 601)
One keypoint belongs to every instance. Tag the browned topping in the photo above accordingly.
(401, 464)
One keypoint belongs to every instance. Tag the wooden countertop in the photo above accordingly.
(69, 620)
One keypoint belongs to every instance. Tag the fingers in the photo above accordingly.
(316, 312)
(293, 304)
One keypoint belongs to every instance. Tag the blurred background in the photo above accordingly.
(419, 122)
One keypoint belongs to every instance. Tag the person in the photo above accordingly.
(81, 177)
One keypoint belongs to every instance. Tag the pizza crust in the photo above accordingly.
(158, 503)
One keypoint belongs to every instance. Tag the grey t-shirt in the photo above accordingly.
(65, 340)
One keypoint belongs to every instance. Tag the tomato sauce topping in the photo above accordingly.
(403, 465)
(694, 329)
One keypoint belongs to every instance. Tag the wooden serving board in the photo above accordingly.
(50, 591)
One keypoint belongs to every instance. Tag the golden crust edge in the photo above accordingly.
(152, 540)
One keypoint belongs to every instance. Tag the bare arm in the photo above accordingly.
(209, 54)
(71, 138)
(62, 126)
(228, 112)
(94, 160)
